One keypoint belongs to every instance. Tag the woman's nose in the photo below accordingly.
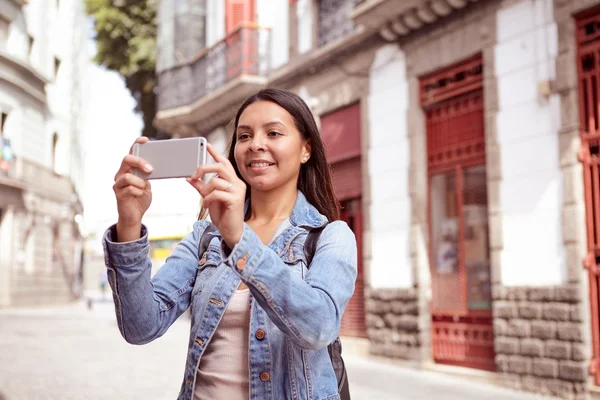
(258, 143)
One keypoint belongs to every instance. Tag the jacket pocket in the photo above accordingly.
(207, 266)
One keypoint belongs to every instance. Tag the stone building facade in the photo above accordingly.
(464, 173)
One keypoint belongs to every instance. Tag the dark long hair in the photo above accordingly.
(315, 175)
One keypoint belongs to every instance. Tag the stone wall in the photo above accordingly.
(539, 340)
(393, 323)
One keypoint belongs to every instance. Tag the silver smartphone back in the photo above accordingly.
(171, 158)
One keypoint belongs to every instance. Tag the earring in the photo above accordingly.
(305, 159)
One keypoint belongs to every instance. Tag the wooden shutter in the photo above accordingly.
(236, 12)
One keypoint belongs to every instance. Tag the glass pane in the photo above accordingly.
(445, 251)
(476, 238)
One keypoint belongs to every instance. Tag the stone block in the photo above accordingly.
(530, 310)
(572, 371)
(543, 329)
(532, 347)
(576, 313)
(557, 311)
(579, 352)
(560, 388)
(573, 220)
(569, 331)
(516, 293)
(566, 71)
(506, 345)
(495, 223)
(500, 327)
(374, 321)
(411, 308)
(518, 328)
(398, 307)
(370, 306)
(501, 363)
(505, 309)
(541, 294)
(498, 292)
(557, 349)
(512, 381)
(569, 108)
(569, 293)
(519, 365)
(545, 368)
(534, 384)
(408, 322)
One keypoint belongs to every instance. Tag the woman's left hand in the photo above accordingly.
(223, 195)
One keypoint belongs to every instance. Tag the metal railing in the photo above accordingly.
(244, 52)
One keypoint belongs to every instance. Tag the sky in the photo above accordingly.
(110, 128)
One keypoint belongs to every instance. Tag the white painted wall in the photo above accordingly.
(388, 170)
(275, 14)
(531, 187)
(304, 13)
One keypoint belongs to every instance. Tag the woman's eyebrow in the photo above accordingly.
(265, 125)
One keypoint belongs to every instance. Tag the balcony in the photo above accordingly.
(203, 93)
(396, 18)
(43, 181)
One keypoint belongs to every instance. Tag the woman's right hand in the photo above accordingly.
(133, 195)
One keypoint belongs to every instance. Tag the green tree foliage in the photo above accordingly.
(126, 43)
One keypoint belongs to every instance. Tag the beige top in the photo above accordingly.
(223, 369)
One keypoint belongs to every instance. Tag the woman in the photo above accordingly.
(261, 319)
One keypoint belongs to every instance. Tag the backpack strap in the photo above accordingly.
(205, 240)
(310, 244)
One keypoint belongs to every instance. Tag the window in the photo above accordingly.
(334, 20)
(31, 42)
(54, 146)
(56, 67)
(3, 119)
(4, 30)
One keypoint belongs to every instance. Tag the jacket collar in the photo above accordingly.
(303, 214)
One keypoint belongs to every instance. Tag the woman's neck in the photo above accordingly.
(273, 205)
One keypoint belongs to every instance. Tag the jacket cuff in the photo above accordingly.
(245, 256)
(124, 253)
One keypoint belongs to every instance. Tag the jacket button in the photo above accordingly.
(260, 334)
(241, 264)
(265, 376)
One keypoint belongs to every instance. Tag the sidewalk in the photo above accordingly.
(72, 352)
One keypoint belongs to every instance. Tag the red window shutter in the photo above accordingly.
(236, 12)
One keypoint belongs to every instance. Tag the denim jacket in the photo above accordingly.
(295, 311)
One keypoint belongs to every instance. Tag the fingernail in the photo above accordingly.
(148, 167)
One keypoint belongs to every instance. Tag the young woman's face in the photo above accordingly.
(269, 150)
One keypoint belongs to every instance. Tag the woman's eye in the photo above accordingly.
(274, 133)
(243, 136)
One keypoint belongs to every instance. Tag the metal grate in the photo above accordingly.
(588, 62)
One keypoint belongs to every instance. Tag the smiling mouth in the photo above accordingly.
(260, 164)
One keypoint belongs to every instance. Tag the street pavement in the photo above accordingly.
(72, 352)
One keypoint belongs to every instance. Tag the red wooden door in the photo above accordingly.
(462, 332)
(340, 131)
(241, 39)
(353, 321)
(588, 62)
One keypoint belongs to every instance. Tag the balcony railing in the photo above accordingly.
(244, 52)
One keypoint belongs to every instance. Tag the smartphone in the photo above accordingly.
(171, 158)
